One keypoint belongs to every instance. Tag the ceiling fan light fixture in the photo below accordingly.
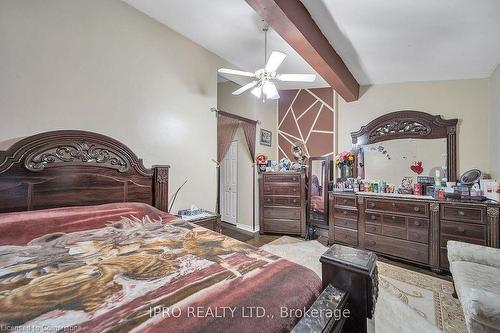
(257, 92)
(263, 86)
(269, 89)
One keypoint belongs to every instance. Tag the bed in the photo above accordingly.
(86, 245)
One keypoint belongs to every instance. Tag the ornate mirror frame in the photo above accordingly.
(408, 125)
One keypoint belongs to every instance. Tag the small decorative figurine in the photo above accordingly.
(299, 152)
(406, 186)
(417, 167)
(285, 164)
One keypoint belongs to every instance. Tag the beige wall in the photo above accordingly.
(494, 122)
(466, 100)
(105, 67)
(249, 106)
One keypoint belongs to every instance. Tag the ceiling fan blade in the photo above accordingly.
(270, 90)
(235, 72)
(296, 77)
(245, 88)
(274, 61)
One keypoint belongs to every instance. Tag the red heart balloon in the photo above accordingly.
(417, 168)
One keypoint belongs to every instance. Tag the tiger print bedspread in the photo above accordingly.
(143, 274)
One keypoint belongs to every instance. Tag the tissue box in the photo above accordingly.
(490, 189)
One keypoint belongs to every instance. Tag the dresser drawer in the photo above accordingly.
(418, 224)
(282, 178)
(270, 200)
(349, 201)
(345, 236)
(283, 226)
(416, 235)
(345, 213)
(373, 228)
(394, 220)
(282, 213)
(398, 248)
(465, 232)
(351, 224)
(398, 206)
(282, 189)
(394, 232)
(461, 213)
(373, 217)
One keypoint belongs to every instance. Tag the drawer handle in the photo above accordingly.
(461, 213)
(370, 242)
(294, 200)
(268, 199)
(372, 204)
(345, 212)
(417, 209)
(344, 201)
(295, 190)
(417, 223)
(373, 217)
(393, 204)
(294, 179)
(393, 218)
(460, 229)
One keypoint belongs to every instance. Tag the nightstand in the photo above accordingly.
(210, 222)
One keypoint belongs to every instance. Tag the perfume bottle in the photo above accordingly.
(437, 179)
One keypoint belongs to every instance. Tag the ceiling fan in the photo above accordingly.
(263, 86)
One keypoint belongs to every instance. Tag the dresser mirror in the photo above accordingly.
(318, 191)
(404, 158)
(405, 144)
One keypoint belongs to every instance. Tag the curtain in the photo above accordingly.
(227, 125)
(250, 131)
(226, 129)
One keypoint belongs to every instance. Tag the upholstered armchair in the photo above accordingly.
(476, 274)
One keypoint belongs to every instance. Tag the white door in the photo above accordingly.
(228, 184)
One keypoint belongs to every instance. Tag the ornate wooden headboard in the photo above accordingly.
(76, 168)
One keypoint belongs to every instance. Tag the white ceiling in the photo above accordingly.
(387, 41)
(229, 28)
(383, 41)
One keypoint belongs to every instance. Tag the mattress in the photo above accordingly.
(130, 267)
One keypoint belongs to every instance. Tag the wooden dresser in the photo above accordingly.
(415, 230)
(282, 203)
(470, 223)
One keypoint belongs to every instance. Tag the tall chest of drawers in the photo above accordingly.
(282, 203)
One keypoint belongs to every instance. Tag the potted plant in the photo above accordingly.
(344, 162)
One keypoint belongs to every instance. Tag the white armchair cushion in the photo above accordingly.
(485, 305)
(478, 288)
(459, 251)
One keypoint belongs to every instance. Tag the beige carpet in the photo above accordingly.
(428, 296)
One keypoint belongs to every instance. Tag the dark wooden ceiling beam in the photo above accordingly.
(291, 20)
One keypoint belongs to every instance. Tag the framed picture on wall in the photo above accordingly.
(266, 137)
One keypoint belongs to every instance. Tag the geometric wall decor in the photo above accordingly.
(306, 115)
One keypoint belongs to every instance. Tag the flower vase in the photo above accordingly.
(345, 172)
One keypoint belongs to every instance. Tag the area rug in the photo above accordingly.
(429, 296)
